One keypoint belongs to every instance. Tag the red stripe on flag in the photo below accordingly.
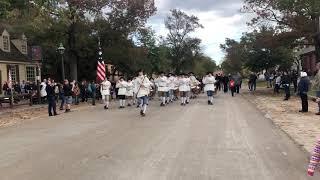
(101, 71)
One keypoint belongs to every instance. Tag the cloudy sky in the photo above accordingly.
(220, 18)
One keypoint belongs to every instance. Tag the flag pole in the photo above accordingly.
(10, 86)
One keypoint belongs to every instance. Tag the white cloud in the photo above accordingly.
(217, 26)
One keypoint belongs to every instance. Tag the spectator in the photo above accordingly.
(62, 96)
(253, 82)
(76, 92)
(5, 88)
(316, 86)
(23, 87)
(93, 92)
(83, 91)
(67, 89)
(294, 80)
(43, 92)
(277, 83)
(51, 99)
(285, 81)
(303, 89)
(237, 80)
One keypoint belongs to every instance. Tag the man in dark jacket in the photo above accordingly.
(303, 89)
(285, 81)
(294, 80)
(51, 99)
(253, 82)
(67, 89)
(237, 79)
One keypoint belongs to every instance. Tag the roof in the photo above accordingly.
(13, 55)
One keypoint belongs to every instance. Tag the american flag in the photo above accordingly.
(101, 67)
(10, 78)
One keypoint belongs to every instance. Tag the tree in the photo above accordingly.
(257, 51)
(235, 56)
(297, 20)
(204, 64)
(180, 26)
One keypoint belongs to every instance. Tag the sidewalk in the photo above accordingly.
(302, 128)
(23, 113)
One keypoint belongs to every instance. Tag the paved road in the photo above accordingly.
(228, 141)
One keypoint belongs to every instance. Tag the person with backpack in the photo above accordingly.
(232, 86)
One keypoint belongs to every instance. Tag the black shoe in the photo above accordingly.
(61, 109)
(105, 107)
(141, 113)
(50, 115)
(162, 104)
(187, 102)
(208, 102)
(303, 111)
(129, 105)
(181, 104)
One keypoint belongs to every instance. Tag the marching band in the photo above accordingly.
(170, 87)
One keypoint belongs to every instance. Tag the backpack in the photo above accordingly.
(232, 83)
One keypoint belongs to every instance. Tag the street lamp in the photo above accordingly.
(61, 50)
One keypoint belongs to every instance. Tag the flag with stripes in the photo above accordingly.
(10, 78)
(101, 71)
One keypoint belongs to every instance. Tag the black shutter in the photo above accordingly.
(17, 74)
(8, 67)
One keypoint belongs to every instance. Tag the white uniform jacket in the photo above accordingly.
(130, 89)
(172, 83)
(184, 84)
(162, 83)
(209, 82)
(105, 88)
(122, 88)
(143, 86)
(194, 82)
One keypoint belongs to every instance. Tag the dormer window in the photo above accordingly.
(24, 48)
(6, 43)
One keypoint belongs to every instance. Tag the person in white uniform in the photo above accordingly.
(209, 82)
(194, 85)
(105, 92)
(172, 87)
(130, 93)
(184, 88)
(122, 85)
(162, 82)
(143, 91)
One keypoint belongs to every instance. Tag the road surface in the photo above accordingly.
(228, 141)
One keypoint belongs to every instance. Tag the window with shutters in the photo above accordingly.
(6, 43)
(14, 73)
(31, 73)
